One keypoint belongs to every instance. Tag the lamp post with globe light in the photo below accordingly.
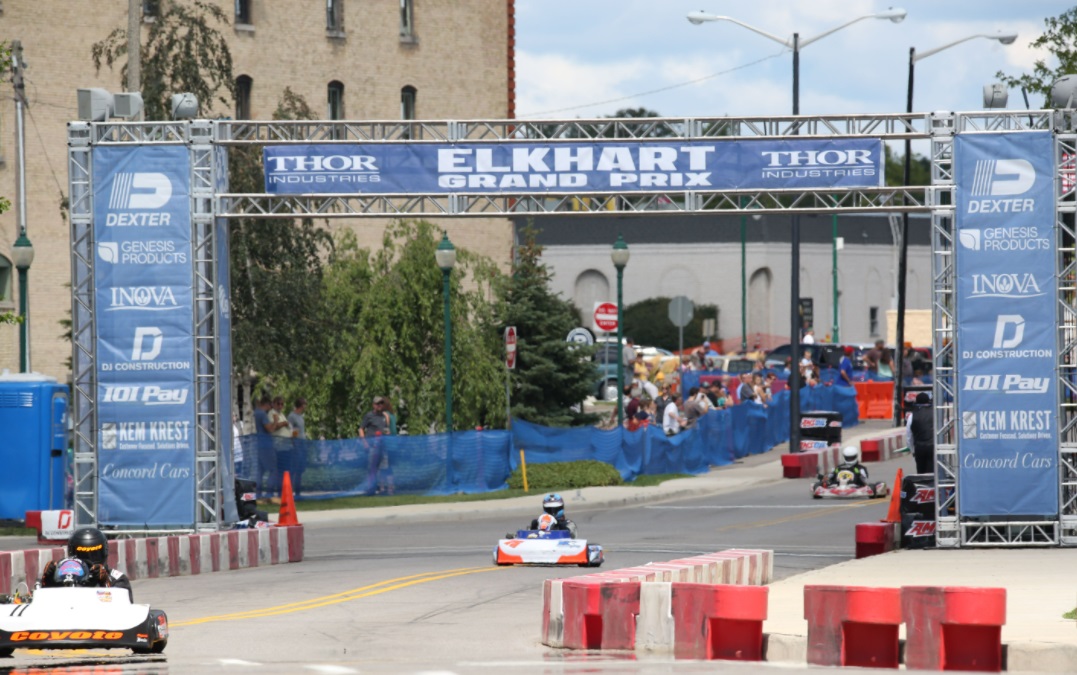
(446, 260)
(899, 375)
(619, 255)
(22, 254)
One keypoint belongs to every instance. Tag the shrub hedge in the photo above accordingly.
(564, 475)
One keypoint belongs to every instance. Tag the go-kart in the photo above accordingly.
(846, 488)
(75, 616)
(546, 547)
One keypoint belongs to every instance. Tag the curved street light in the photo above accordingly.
(899, 391)
(894, 15)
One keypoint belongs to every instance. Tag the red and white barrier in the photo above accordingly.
(645, 591)
(882, 447)
(815, 457)
(171, 556)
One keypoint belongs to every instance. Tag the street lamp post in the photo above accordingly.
(23, 254)
(619, 255)
(795, 43)
(899, 375)
(446, 259)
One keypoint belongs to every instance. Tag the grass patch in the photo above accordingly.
(566, 475)
(656, 479)
(17, 532)
(1071, 615)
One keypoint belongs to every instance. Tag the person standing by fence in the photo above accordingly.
(299, 443)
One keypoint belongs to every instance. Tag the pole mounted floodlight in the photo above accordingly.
(995, 95)
(1064, 92)
(95, 104)
(184, 106)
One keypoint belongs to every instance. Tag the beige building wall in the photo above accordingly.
(917, 327)
(459, 60)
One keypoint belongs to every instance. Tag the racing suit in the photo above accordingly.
(860, 474)
(100, 575)
(562, 524)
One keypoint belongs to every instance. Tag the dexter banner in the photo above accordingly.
(145, 346)
(522, 168)
(1007, 399)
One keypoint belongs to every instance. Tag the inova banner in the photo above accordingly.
(144, 315)
(1007, 399)
(541, 167)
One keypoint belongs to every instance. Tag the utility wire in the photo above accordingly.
(661, 89)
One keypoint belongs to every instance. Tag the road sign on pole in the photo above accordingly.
(606, 316)
(681, 311)
(510, 347)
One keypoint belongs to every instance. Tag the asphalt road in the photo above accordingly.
(425, 597)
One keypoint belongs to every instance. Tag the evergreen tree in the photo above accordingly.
(551, 376)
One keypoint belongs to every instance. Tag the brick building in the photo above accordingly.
(350, 59)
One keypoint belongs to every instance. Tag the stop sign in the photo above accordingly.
(510, 347)
(606, 316)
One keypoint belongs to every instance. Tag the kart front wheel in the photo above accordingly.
(6, 652)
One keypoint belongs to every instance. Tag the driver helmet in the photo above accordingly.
(546, 522)
(850, 455)
(88, 544)
(554, 505)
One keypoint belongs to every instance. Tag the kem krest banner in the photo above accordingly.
(540, 167)
(1007, 401)
(145, 346)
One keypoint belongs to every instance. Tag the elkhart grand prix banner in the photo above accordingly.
(544, 166)
(145, 347)
(1007, 399)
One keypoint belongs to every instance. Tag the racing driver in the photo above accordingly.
(553, 505)
(850, 461)
(90, 545)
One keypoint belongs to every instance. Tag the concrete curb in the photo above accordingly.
(171, 556)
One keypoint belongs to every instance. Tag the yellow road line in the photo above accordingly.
(345, 596)
(800, 516)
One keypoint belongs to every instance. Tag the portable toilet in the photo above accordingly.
(33, 417)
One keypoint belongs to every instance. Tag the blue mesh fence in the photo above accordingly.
(481, 461)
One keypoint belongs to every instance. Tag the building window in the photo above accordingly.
(407, 103)
(5, 283)
(243, 97)
(407, 29)
(334, 15)
(873, 321)
(336, 101)
(243, 12)
(151, 9)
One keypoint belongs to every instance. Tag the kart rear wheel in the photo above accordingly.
(159, 646)
(6, 652)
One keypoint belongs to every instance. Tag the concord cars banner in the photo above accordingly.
(622, 166)
(145, 346)
(1007, 398)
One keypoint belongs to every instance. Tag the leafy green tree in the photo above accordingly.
(1060, 40)
(384, 325)
(184, 52)
(919, 170)
(550, 377)
(647, 322)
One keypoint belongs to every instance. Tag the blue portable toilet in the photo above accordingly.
(33, 417)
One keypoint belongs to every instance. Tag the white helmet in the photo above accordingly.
(546, 522)
(850, 454)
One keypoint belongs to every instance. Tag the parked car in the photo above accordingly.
(731, 363)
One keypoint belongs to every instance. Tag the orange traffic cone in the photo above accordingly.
(287, 515)
(892, 516)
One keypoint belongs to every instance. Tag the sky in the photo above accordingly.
(589, 58)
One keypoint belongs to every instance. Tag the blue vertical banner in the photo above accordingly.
(226, 452)
(144, 315)
(1006, 324)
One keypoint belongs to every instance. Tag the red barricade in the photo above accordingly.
(953, 628)
(599, 613)
(718, 621)
(852, 626)
(875, 400)
(875, 538)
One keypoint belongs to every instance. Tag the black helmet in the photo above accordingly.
(88, 544)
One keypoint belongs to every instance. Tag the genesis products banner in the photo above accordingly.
(145, 346)
(1007, 401)
(521, 168)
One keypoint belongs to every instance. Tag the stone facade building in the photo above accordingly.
(349, 59)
